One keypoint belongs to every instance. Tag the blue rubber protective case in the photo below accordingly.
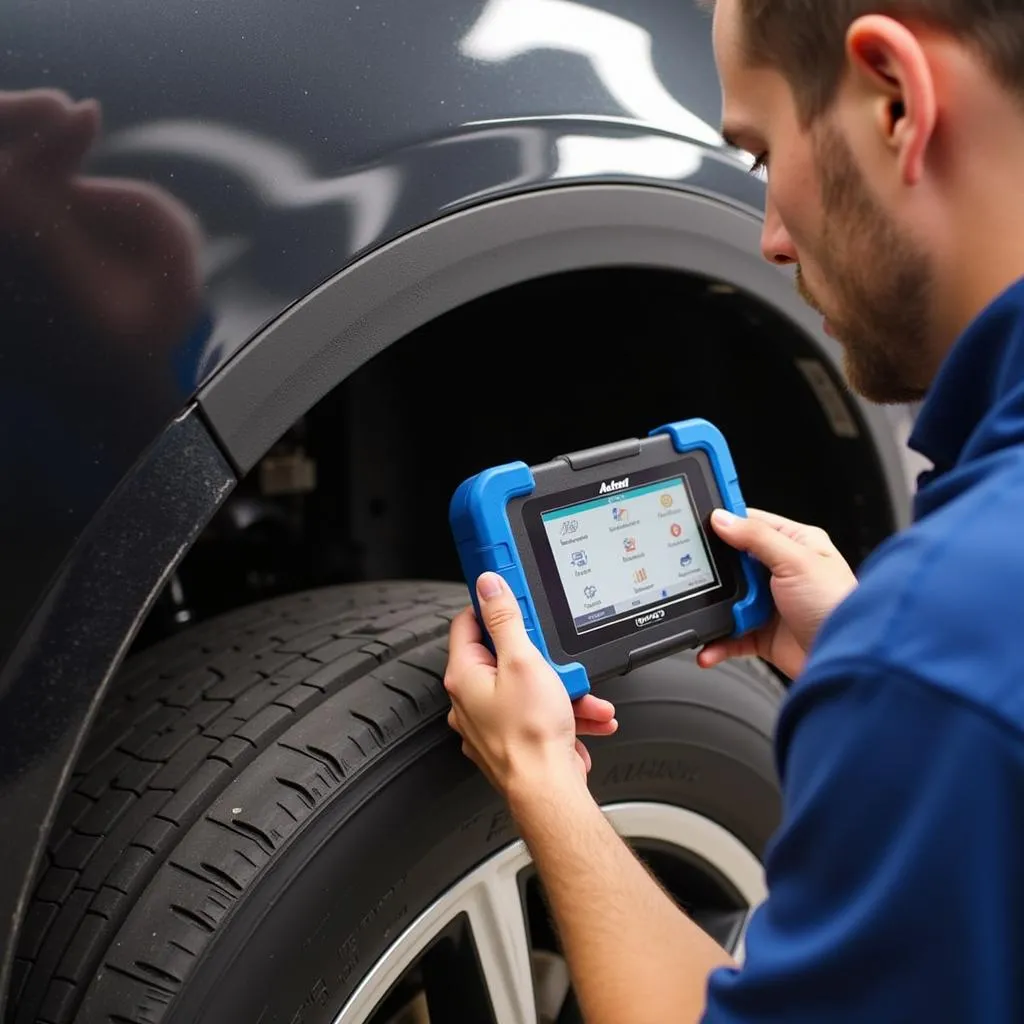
(689, 435)
(483, 537)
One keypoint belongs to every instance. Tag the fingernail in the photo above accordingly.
(723, 517)
(488, 586)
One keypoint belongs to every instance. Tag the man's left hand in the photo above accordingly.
(514, 715)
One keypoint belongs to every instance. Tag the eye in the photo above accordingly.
(759, 169)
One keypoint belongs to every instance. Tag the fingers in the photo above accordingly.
(812, 537)
(595, 709)
(465, 629)
(780, 554)
(722, 650)
(594, 716)
(465, 646)
(502, 617)
(585, 727)
(470, 752)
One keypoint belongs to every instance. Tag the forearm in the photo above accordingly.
(633, 955)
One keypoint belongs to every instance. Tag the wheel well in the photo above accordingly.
(359, 488)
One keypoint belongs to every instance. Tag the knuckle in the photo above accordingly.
(503, 615)
(755, 527)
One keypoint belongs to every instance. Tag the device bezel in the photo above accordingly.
(607, 650)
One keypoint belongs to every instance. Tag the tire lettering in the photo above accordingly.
(651, 769)
(372, 913)
(348, 953)
(470, 822)
(499, 823)
(318, 996)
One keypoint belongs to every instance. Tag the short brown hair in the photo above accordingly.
(805, 39)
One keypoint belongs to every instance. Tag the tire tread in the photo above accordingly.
(186, 719)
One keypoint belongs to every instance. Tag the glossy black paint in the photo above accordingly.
(173, 177)
(272, 149)
(49, 688)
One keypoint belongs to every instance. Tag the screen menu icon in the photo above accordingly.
(633, 550)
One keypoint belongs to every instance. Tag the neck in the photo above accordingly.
(990, 259)
(986, 234)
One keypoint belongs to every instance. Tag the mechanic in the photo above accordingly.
(894, 134)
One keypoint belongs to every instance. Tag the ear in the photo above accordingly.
(891, 66)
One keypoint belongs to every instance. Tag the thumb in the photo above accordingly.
(502, 617)
(781, 555)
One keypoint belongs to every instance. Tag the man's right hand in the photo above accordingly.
(809, 577)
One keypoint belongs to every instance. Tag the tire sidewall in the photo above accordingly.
(421, 817)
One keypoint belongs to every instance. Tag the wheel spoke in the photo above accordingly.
(472, 956)
(552, 985)
(726, 927)
(453, 984)
(498, 923)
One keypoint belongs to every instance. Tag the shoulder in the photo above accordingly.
(899, 835)
(943, 603)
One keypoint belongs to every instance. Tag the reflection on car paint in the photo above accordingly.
(265, 157)
(617, 49)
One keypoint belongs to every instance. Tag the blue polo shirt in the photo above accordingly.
(896, 880)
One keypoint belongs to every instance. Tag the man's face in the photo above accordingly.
(855, 264)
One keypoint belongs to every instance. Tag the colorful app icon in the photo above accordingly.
(686, 559)
(620, 514)
(676, 530)
(640, 575)
(629, 544)
(666, 500)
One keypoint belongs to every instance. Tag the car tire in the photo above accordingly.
(271, 800)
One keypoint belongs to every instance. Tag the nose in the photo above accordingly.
(776, 245)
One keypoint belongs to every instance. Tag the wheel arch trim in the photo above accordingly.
(54, 682)
(390, 292)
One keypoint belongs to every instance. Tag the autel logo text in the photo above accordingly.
(644, 620)
(614, 485)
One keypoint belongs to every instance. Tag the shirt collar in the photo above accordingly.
(983, 370)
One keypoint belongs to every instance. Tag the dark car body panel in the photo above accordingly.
(297, 143)
(229, 160)
(50, 687)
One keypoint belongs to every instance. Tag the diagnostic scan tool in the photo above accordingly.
(611, 553)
